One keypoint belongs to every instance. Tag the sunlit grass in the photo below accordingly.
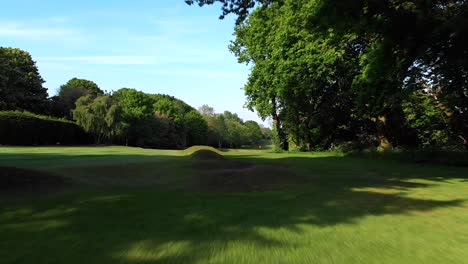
(137, 211)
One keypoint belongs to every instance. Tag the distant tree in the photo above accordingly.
(157, 131)
(197, 128)
(176, 110)
(254, 132)
(206, 110)
(137, 116)
(428, 120)
(266, 132)
(135, 104)
(20, 82)
(229, 130)
(229, 116)
(235, 130)
(70, 92)
(159, 121)
(100, 116)
(171, 106)
(216, 130)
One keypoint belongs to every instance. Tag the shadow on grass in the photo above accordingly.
(145, 226)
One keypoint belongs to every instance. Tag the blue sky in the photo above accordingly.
(162, 46)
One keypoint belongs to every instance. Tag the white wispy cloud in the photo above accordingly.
(15, 29)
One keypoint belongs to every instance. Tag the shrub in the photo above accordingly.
(24, 128)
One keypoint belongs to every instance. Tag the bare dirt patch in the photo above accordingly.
(217, 174)
(16, 180)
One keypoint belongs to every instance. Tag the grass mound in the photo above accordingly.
(218, 174)
(206, 154)
(17, 180)
(193, 149)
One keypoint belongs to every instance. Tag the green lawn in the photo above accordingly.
(129, 205)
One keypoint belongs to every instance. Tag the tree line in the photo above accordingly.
(82, 113)
(356, 73)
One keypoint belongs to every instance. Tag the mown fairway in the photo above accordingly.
(129, 205)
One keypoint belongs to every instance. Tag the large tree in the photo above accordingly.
(216, 126)
(20, 82)
(156, 120)
(100, 116)
(389, 47)
(70, 92)
(137, 117)
(253, 132)
(197, 128)
(301, 75)
(182, 115)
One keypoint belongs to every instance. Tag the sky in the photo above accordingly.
(162, 46)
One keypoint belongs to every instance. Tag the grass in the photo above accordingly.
(130, 205)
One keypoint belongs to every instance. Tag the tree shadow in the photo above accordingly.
(148, 226)
(138, 227)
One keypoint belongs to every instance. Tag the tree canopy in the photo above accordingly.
(20, 82)
(70, 92)
(229, 130)
(329, 71)
(99, 116)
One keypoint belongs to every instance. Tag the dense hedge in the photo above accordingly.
(24, 128)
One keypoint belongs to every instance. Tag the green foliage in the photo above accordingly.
(423, 115)
(20, 82)
(70, 92)
(301, 75)
(135, 104)
(153, 132)
(189, 127)
(216, 130)
(239, 7)
(276, 140)
(100, 117)
(140, 128)
(25, 128)
(320, 67)
(159, 121)
(197, 128)
(171, 106)
(229, 130)
(266, 132)
(253, 132)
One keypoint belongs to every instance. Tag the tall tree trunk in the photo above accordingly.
(281, 135)
(384, 142)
